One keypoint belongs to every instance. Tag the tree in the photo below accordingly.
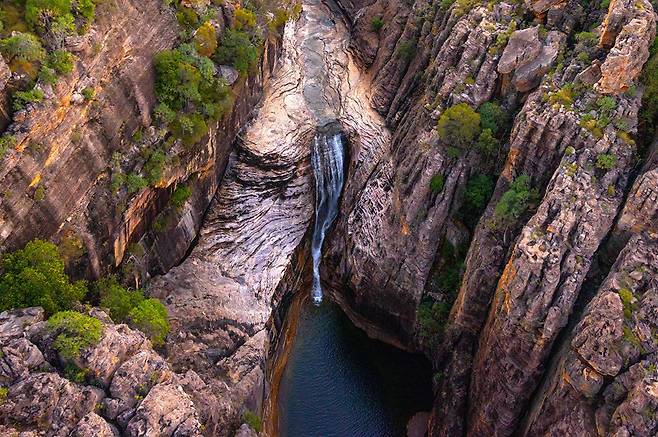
(117, 299)
(493, 117)
(478, 191)
(487, 144)
(238, 50)
(516, 199)
(205, 39)
(150, 317)
(244, 19)
(23, 47)
(75, 332)
(34, 276)
(459, 125)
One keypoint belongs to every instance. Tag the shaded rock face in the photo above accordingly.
(121, 387)
(221, 297)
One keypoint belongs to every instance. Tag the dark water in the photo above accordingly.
(340, 383)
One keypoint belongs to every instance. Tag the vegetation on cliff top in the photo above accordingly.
(75, 332)
(34, 276)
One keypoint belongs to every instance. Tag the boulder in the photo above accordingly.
(14, 323)
(167, 410)
(92, 425)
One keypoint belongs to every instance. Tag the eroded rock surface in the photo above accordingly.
(119, 386)
(220, 298)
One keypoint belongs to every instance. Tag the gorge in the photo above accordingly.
(419, 217)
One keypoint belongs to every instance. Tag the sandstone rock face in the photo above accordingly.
(612, 341)
(140, 396)
(637, 24)
(221, 297)
(72, 143)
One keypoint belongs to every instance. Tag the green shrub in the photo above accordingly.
(22, 47)
(253, 420)
(244, 19)
(459, 125)
(463, 7)
(376, 24)
(88, 93)
(150, 317)
(4, 391)
(407, 50)
(205, 39)
(432, 318)
(60, 61)
(46, 15)
(47, 75)
(135, 183)
(445, 4)
(189, 128)
(493, 117)
(39, 194)
(20, 99)
(516, 200)
(117, 299)
(34, 276)
(606, 161)
(564, 96)
(478, 192)
(180, 195)
(237, 49)
(154, 167)
(75, 332)
(436, 183)
(6, 142)
(627, 298)
(648, 115)
(164, 114)
(487, 144)
(118, 179)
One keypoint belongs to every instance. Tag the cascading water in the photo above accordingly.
(327, 157)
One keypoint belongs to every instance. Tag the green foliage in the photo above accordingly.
(117, 299)
(75, 332)
(60, 61)
(22, 47)
(180, 195)
(493, 117)
(478, 192)
(376, 24)
(6, 142)
(150, 317)
(436, 183)
(244, 19)
(20, 99)
(432, 318)
(407, 50)
(74, 373)
(164, 114)
(606, 161)
(253, 420)
(88, 93)
(445, 4)
(463, 7)
(39, 194)
(564, 96)
(606, 105)
(118, 179)
(189, 128)
(237, 49)
(487, 144)
(205, 39)
(459, 125)
(58, 15)
(627, 299)
(516, 200)
(34, 276)
(4, 391)
(135, 182)
(154, 167)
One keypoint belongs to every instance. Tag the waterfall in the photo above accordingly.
(327, 158)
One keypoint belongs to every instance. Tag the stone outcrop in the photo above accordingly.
(119, 386)
(632, 27)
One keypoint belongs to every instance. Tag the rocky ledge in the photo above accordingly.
(120, 386)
